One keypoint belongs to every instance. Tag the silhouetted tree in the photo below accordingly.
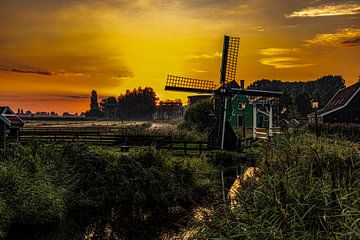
(109, 106)
(299, 94)
(94, 106)
(139, 103)
(302, 102)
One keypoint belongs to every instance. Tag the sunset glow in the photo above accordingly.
(53, 53)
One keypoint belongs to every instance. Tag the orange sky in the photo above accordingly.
(53, 53)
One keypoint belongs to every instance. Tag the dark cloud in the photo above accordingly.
(42, 72)
(352, 42)
(72, 96)
(23, 69)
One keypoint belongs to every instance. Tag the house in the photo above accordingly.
(252, 112)
(251, 109)
(239, 116)
(10, 125)
(343, 107)
(169, 109)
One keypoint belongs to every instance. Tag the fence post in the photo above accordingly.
(223, 185)
(200, 145)
(185, 148)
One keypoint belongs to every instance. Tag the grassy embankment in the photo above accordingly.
(308, 188)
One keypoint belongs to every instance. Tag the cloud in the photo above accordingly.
(327, 10)
(278, 51)
(198, 70)
(10, 67)
(205, 56)
(353, 42)
(284, 62)
(335, 39)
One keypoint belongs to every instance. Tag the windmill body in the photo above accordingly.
(221, 135)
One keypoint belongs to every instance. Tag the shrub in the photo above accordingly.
(138, 194)
(198, 116)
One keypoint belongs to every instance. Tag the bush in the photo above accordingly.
(198, 116)
(349, 131)
(138, 194)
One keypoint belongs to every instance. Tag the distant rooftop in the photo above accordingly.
(341, 99)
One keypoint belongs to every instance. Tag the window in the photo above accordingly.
(240, 121)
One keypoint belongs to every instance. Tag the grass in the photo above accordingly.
(309, 189)
(118, 128)
(136, 194)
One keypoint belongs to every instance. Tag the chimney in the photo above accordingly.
(242, 84)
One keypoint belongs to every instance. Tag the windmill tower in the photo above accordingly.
(221, 134)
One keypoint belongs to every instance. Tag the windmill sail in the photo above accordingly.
(183, 84)
(229, 59)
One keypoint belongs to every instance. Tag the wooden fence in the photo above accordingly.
(109, 138)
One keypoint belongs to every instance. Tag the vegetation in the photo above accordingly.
(308, 189)
(347, 131)
(297, 95)
(198, 116)
(68, 191)
(139, 103)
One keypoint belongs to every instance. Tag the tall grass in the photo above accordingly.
(309, 189)
(67, 191)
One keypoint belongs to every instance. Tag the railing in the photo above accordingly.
(183, 147)
(179, 147)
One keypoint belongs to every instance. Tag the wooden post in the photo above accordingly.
(3, 135)
(254, 121)
(223, 125)
(185, 148)
(270, 121)
(223, 185)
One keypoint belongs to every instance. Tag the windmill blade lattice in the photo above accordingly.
(184, 84)
(229, 59)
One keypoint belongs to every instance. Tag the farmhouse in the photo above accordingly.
(10, 125)
(169, 109)
(344, 107)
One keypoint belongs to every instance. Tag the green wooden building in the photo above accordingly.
(259, 108)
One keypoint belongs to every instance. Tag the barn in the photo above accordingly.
(10, 125)
(343, 107)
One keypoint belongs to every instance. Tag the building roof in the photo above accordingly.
(5, 110)
(9, 118)
(340, 100)
(14, 120)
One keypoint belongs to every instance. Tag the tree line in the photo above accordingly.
(296, 98)
(139, 103)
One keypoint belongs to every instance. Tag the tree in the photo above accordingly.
(322, 89)
(197, 116)
(302, 102)
(109, 106)
(94, 106)
(139, 103)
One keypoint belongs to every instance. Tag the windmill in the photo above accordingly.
(221, 134)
